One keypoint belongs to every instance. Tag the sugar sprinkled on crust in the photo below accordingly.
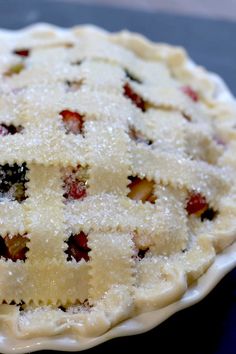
(84, 70)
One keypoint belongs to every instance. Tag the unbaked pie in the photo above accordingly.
(117, 178)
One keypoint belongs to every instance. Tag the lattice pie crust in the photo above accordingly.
(148, 114)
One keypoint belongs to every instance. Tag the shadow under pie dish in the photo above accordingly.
(117, 188)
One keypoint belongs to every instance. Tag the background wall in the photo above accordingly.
(224, 9)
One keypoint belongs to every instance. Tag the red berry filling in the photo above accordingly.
(134, 97)
(73, 121)
(9, 129)
(190, 93)
(14, 248)
(22, 52)
(75, 183)
(78, 247)
(196, 204)
(77, 190)
(141, 189)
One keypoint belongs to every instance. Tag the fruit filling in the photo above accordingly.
(22, 52)
(138, 137)
(75, 183)
(190, 93)
(78, 247)
(196, 204)
(73, 122)
(14, 247)
(142, 253)
(12, 182)
(9, 129)
(141, 189)
(134, 97)
(14, 69)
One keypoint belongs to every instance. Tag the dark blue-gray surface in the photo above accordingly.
(211, 43)
(210, 326)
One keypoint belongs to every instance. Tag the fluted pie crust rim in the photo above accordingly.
(114, 302)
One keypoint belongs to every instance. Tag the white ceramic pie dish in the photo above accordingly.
(223, 263)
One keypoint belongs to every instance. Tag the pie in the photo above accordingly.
(117, 178)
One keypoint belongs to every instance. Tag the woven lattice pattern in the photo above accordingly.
(132, 114)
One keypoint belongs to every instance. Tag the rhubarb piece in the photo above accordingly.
(15, 247)
(134, 97)
(78, 247)
(141, 189)
(73, 121)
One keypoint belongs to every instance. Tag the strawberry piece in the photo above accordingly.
(141, 189)
(77, 190)
(73, 121)
(75, 183)
(190, 93)
(134, 97)
(16, 247)
(22, 52)
(196, 204)
(78, 247)
(81, 240)
(74, 189)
